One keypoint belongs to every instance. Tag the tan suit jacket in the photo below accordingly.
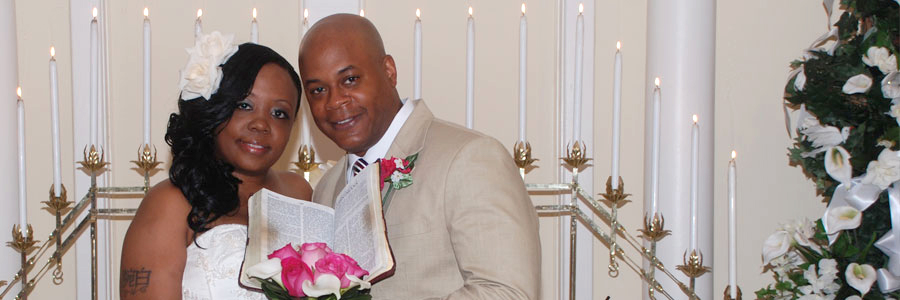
(465, 228)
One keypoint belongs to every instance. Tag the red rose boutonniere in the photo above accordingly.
(395, 171)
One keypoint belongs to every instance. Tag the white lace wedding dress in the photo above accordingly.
(212, 272)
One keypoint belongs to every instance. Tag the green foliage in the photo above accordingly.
(863, 24)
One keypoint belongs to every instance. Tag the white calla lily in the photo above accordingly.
(356, 281)
(860, 277)
(857, 84)
(776, 245)
(800, 79)
(842, 218)
(325, 284)
(890, 85)
(270, 268)
(837, 164)
(854, 297)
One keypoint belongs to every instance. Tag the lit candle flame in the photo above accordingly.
(199, 13)
(146, 12)
(523, 8)
(19, 92)
(656, 82)
(94, 12)
(305, 14)
(52, 52)
(580, 8)
(733, 154)
(418, 13)
(362, 12)
(470, 11)
(695, 118)
(254, 13)
(618, 45)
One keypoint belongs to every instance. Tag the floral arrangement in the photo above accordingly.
(845, 96)
(396, 172)
(203, 72)
(313, 272)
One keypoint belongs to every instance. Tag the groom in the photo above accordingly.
(465, 228)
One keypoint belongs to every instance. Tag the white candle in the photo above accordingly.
(470, 71)
(732, 238)
(305, 23)
(304, 127)
(695, 179)
(198, 24)
(94, 80)
(617, 117)
(362, 13)
(654, 150)
(23, 205)
(54, 123)
(417, 56)
(523, 65)
(579, 70)
(254, 29)
(146, 76)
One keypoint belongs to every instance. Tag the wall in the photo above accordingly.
(755, 42)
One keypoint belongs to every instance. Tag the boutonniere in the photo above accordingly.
(395, 172)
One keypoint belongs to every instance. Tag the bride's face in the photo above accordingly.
(258, 131)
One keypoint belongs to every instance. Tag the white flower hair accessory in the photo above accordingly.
(203, 72)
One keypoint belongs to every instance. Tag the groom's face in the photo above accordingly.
(352, 94)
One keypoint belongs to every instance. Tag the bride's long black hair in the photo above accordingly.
(205, 179)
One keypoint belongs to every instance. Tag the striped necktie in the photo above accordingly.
(358, 166)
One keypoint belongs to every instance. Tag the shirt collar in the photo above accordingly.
(380, 149)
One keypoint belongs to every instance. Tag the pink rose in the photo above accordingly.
(293, 273)
(339, 265)
(285, 252)
(353, 267)
(310, 253)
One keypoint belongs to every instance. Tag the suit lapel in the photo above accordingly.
(410, 139)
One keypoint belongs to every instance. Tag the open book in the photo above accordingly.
(355, 226)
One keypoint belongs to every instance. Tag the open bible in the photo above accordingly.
(355, 226)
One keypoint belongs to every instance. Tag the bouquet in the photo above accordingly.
(313, 272)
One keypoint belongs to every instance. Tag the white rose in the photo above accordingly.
(890, 85)
(882, 58)
(776, 245)
(196, 79)
(202, 74)
(885, 170)
(857, 84)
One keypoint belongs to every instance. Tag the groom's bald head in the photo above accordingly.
(349, 81)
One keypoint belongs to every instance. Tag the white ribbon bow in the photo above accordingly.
(889, 278)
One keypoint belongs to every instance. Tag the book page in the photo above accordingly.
(360, 231)
(296, 222)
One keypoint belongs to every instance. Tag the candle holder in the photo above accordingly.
(615, 199)
(23, 242)
(693, 267)
(306, 160)
(728, 293)
(58, 206)
(653, 232)
(576, 156)
(522, 156)
(93, 160)
(147, 163)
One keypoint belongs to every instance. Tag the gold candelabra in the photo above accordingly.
(614, 198)
(70, 225)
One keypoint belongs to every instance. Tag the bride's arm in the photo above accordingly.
(154, 252)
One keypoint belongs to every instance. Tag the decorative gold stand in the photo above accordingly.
(653, 231)
(728, 293)
(306, 160)
(25, 244)
(522, 156)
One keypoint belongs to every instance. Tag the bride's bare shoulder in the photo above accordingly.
(164, 208)
(293, 185)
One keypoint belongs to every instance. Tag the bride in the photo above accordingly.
(235, 114)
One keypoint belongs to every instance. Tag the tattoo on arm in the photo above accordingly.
(134, 281)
